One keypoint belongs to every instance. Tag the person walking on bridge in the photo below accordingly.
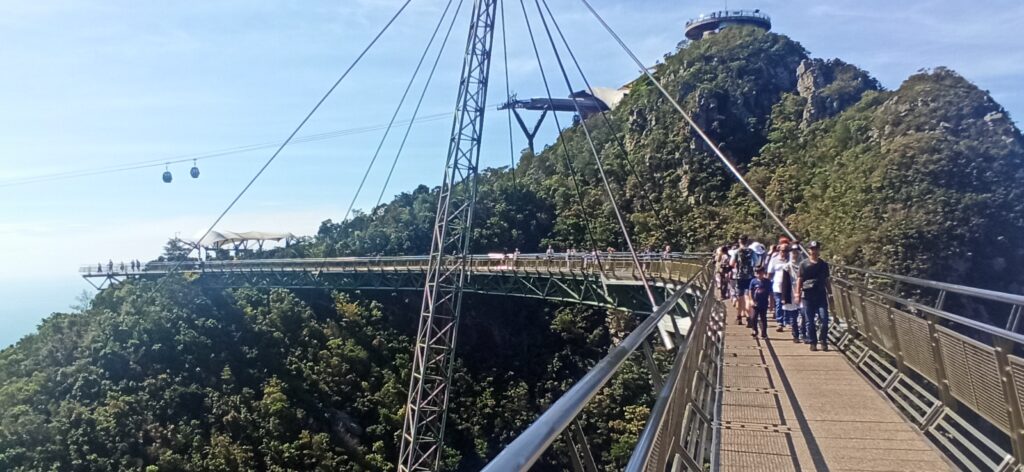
(743, 272)
(815, 285)
(760, 291)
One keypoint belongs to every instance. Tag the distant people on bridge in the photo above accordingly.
(743, 272)
(550, 254)
(758, 298)
(99, 267)
(110, 265)
(815, 284)
(121, 266)
(666, 253)
(515, 256)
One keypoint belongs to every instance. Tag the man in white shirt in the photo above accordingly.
(780, 269)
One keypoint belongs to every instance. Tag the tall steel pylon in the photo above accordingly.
(423, 431)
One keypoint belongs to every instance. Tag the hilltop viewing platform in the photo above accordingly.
(698, 27)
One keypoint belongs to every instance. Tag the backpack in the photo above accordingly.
(744, 264)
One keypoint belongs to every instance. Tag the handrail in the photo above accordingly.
(977, 325)
(727, 14)
(481, 259)
(642, 451)
(992, 295)
(958, 379)
(524, 451)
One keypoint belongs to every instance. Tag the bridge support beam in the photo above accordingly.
(433, 356)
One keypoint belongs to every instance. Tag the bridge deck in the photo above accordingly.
(785, 408)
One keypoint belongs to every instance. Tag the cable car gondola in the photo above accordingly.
(167, 175)
(194, 172)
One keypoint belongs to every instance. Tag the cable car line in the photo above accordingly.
(87, 172)
(291, 136)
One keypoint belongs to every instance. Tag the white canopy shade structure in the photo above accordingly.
(219, 239)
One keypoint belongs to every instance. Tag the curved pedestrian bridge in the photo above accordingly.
(611, 281)
(922, 375)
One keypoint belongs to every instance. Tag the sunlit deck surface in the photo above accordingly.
(785, 408)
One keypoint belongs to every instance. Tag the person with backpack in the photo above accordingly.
(743, 273)
(815, 284)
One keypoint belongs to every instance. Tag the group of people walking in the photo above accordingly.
(789, 280)
(134, 265)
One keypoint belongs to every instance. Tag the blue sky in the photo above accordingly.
(89, 84)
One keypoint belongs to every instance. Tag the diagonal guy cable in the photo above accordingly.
(398, 109)
(416, 111)
(725, 160)
(561, 138)
(292, 135)
(600, 166)
(607, 121)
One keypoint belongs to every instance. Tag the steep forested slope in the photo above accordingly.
(922, 180)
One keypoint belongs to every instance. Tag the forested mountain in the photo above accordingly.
(922, 180)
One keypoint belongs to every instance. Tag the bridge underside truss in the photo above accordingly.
(581, 288)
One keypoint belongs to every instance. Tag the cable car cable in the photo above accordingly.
(291, 136)
(88, 172)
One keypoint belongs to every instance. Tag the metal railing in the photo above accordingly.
(683, 403)
(674, 266)
(960, 380)
(728, 15)
(679, 433)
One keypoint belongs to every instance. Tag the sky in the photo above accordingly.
(92, 84)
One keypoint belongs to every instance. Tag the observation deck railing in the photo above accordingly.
(728, 15)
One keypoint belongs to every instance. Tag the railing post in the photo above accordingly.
(589, 465)
(941, 300)
(940, 366)
(1013, 323)
(897, 347)
(656, 379)
(1003, 348)
(868, 328)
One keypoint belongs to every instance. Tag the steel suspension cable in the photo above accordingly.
(725, 160)
(508, 96)
(398, 109)
(419, 103)
(600, 166)
(298, 128)
(607, 121)
(561, 138)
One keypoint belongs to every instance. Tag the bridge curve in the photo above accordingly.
(612, 282)
(911, 385)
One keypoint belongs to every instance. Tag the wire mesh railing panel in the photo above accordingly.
(915, 343)
(958, 376)
(881, 325)
(990, 400)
